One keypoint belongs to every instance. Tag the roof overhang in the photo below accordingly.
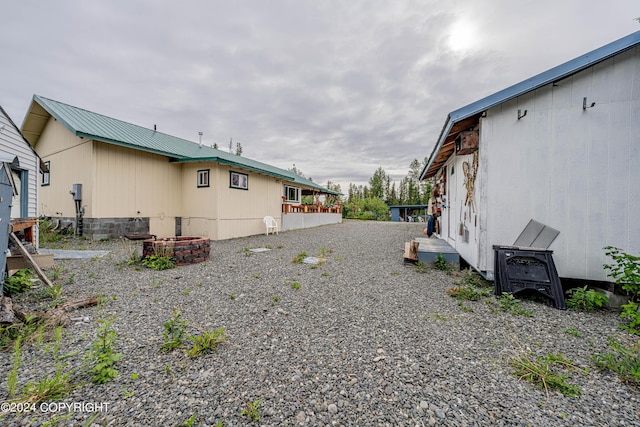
(34, 122)
(234, 164)
(446, 143)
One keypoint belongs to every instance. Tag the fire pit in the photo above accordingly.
(184, 249)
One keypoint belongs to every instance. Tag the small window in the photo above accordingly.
(292, 194)
(203, 178)
(239, 180)
(45, 175)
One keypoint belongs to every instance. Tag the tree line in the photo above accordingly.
(372, 201)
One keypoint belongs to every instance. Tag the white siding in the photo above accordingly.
(575, 170)
(12, 142)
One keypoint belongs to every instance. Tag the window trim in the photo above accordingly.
(202, 176)
(286, 194)
(46, 176)
(238, 180)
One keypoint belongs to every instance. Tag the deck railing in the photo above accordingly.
(290, 208)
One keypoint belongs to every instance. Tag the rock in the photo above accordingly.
(332, 408)
(7, 315)
(301, 417)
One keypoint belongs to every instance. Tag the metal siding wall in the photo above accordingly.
(199, 214)
(568, 168)
(130, 181)
(240, 212)
(64, 150)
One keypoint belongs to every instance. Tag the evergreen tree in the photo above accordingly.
(377, 183)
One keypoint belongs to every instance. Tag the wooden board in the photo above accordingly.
(17, 262)
(30, 260)
(411, 251)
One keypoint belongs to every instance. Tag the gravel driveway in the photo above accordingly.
(364, 341)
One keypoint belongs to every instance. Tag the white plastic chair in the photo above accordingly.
(271, 224)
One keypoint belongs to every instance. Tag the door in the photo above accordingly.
(451, 202)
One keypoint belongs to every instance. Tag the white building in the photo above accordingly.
(563, 148)
(25, 168)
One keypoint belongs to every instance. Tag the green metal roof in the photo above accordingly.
(87, 124)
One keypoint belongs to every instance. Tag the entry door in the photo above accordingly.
(16, 202)
(20, 202)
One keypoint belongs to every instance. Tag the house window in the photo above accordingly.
(45, 175)
(292, 194)
(203, 178)
(239, 180)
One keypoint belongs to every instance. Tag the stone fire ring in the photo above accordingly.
(184, 249)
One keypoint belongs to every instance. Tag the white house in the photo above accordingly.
(562, 148)
(25, 168)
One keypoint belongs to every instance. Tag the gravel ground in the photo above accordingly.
(364, 341)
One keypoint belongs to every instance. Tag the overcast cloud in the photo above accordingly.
(337, 88)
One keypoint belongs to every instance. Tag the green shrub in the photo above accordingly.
(206, 343)
(102, 357)
(625, 269)
(630, 312)
(158, 262)
(624, 360)
(440, 263)
(174, 330)
(510, 304)
(46, 233)
(371, 208)
(19, 282)
(586, 299)
(468, 292)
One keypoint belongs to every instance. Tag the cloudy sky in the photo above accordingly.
(337, 88)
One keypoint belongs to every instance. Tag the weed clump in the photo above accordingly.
(19, 282)
(624, 360)
(158, 262)
(174, 332)
(102, 356)
(206, 343)
(510, 304)
(298, 259)
(440, 263)
(586, 299)
(542, 372)
(471, 287)
(252, 410)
